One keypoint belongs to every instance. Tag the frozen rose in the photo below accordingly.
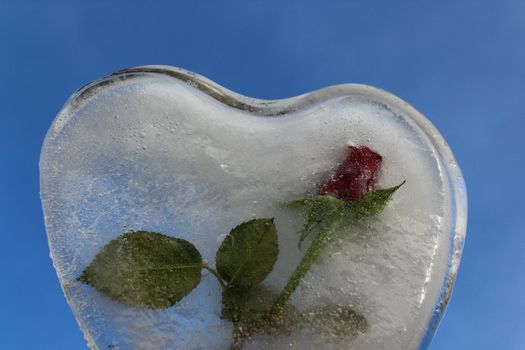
(355, 176)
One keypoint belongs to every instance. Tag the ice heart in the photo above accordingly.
(164, 150)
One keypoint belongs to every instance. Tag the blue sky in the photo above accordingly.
(462, 63)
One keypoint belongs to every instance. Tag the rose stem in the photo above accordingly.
(216, 274)
(308, 259)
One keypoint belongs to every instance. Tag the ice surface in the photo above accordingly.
(154, 153)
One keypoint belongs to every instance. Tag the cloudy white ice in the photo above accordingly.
(154, 153)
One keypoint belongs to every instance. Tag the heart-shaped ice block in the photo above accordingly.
(164, 150)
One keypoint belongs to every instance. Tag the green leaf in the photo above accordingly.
(248, 253)
(145, 269)
(372, 203)
(250, 311)
(296, 204)
(318, 212)
(325, 200)
(334, 320)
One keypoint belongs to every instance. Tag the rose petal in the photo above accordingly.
(356, 175)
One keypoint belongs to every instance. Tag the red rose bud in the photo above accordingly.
(355, 177)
